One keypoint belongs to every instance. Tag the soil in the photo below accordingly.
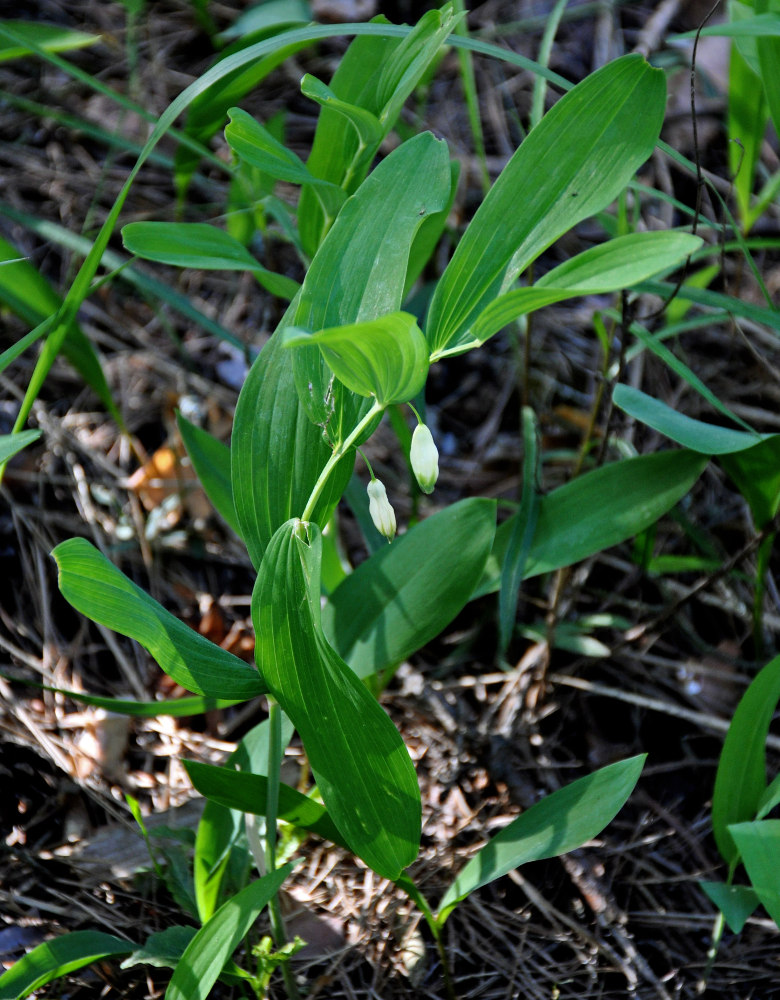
(623, 916)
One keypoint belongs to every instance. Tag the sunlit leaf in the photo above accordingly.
(203, 960)
(564, 820)
(358, 759)
(385, 357)
(96, 588)
(572, 164)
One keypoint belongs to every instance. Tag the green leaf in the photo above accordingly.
(51, 37)
(196, 244)
(211, 461)
(58, 957)
(608, 505)
(359, 272)
(96, 588)
(407, 592)
(709, 439)
(598, 510)
(255, 145)
(563, 821)
(11, 444)
(277, 453)
(248, 794)
(756, 474)
(735, 902)
(358, 759)
(163, 949)
(239, 68)
(741, 778)
(206, 955)
(572, 164)
(376, 75)
(759, 846)
(385, 357)
(621, 262)
(366, 125)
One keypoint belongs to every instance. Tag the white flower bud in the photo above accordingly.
(424, 457)
(380, 509)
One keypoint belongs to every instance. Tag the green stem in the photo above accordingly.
(271, 813)
(338, 453)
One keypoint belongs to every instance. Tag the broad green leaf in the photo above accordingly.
(597, 510)
(96, 588)
(709, 439)
(428, 235)
(163, 949)
(207, 953)
(377, 75)
(608, 505)
(756, 474)
(759, 847)
(58, 957)
(257, 146)
(252, 142)
(735, 902)
(359, 272)
(563, 821)
(197, 244)
(11, 444)
(407, 592)
(211, 461)
(385, 357)
(572, 164)
(741, 778)
(513, 568)
(277, 49)
(247, 793)
(358, 759)
(366, 125)
(52, 37)
(277, 453)
(621, 262)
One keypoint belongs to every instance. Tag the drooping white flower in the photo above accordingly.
(424, 457)
(380, 509)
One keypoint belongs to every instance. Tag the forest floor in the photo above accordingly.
(662, 674)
